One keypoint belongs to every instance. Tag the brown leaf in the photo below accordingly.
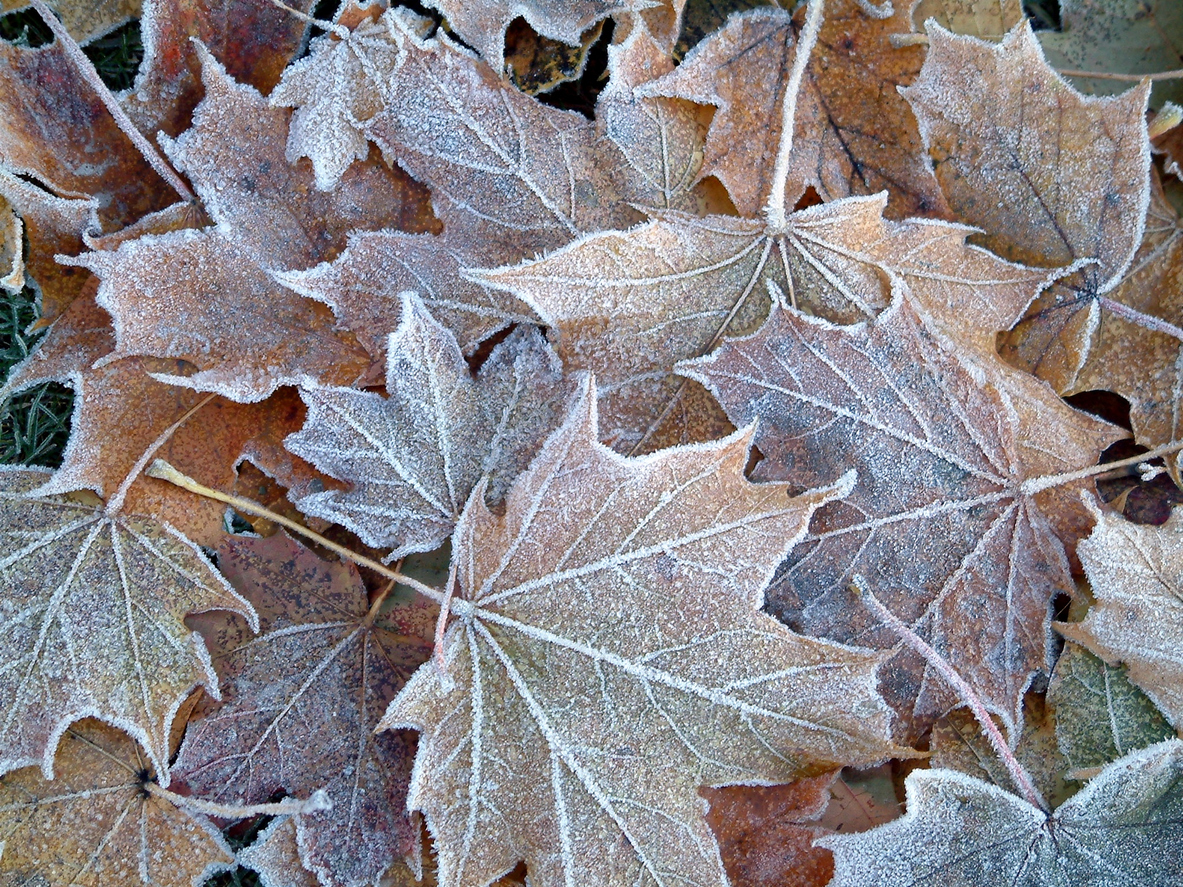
(12, 260)
(1070, 172)
(763, 832)
(206, 296)
(943, 450)
(853, 134)
(275, 856)
(988, 19)
(602, 668)
(120, 410)
(93, 616)
(97, 822)
(300, 703)
(414, 456)
(628, 305)
(1134, 572)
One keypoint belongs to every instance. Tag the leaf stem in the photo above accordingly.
(317, 802)
(1034, 485)
(116, 501)
(333, 28)
(1147, 321)
(162, 470)
(1177, 74)
(969, 696)
(90, 75)
(774, 210)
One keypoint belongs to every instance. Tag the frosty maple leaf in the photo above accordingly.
(300, 704)
(603, 666)
(1121, 830)
(415, 455)
(1134, 572)
(93, 613)
(1073, 171)
(98, 823)
(865, 397)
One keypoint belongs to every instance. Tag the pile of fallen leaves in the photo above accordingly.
(728, 387)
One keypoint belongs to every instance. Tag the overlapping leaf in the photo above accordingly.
(1135, 572)
(98, 823)
(414, 456)
(300, 703)
(93, 616)
(602, 666)
(944, 450)
(1070, 172)
(1122, 830)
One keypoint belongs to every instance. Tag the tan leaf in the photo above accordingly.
(84, 19)
(602, 668)
(1070, 172)
(93, 616)
(505, 170)
(414, 456)
(1142, 365)
(12, 245)
(853, 133)
(1134, 572)
(673, 287)
(943, 450)
(300, 703)
(988, 19)
(97, 822)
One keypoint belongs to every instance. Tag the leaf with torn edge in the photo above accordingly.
(300, 702)
(944, 449)
(601, 667)
(93, 614)
(1124, 829)
(414, 456)
(1135, 572)
(97, 822)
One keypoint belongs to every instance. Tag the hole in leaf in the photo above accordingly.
(1104, 405)
(713, 198)
(477, 359)
(580, 95)
(808, 199)
(117, 56)
(25, 28)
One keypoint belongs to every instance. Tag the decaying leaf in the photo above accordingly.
(766, 833)
(93, 614)
(1123, 829)
(1134, 571)
(1100, 715)
(1121, 36)
(300, 703)
(98, 823)
(85, 20)
(828, 399)
(601, 668)
(1066, 175)
(275, 856)
(989, 19)
(415, 455)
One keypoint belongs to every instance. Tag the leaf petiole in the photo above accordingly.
(163, 471)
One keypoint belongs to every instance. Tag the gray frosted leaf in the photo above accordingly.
(1124, 829)
(414, 456)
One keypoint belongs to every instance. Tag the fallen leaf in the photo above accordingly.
(601, 668)
(1134, 572)
(989, 19)
(86, 21)
(1121, 37)
(536, 64)
(93, 615)
(275, 856)
(482, 25)
(765, 834)
(414, 456)
(300, 703)
(98, 823)
(829, 399)
(1120, 830)
(1100, 715)
(1071, 171)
